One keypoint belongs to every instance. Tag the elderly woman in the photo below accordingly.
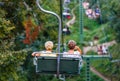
(74, 52)
(73, 49)
(47, 52)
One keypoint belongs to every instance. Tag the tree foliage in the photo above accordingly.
(111, 14)
(115, 7)
(15, 56)
(10, 64)
(6, 26)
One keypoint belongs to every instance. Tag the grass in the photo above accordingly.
(91, 28)
(107, 68)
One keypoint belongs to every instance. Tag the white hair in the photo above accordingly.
(49, 45)
(72, 41)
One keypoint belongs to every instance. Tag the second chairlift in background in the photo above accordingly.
(66, 30)
(91, 13)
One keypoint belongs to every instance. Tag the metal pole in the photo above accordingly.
(59, 33)
(61, 11)
(81, 20)
(87, 69)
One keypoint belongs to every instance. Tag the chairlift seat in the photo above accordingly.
(48, 65)
(69, 66)
(66, 14)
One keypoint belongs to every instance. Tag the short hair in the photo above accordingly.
(49, 45)
(71, 44)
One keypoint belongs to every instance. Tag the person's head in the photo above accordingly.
(71, 44)
(49, 45)
(100, 47)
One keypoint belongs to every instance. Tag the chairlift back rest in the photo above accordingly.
(48, 55)
(48, 65)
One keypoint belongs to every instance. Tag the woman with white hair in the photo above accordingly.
(48, 46)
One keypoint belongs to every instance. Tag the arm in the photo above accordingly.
(78, 49)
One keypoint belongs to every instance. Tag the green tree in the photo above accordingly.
(14, 65)
(111, 14)
(10, 60)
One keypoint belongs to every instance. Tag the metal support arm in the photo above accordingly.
(59, 19)
(59, 34)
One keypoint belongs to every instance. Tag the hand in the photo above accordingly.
(35, 54)
(76, 48)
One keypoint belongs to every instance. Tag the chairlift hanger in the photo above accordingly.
(59, 33)
(56, 60)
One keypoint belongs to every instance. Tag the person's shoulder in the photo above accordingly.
(65, 52)
(43, 51)
(76, 52)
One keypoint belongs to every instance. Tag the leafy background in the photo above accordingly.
(15, 56)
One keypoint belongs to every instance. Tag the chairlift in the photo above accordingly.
(48, 65)
(63, 64)
(56, 65)
(66, 30)
(66, 15)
